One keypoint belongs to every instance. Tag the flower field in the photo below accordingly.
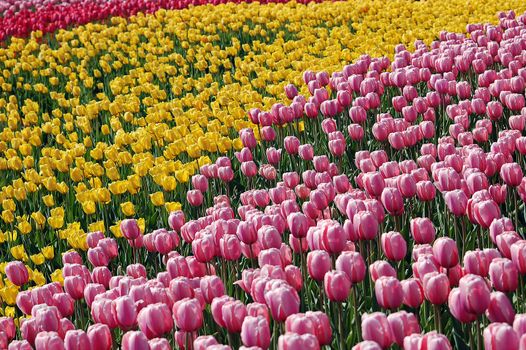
(278, 175)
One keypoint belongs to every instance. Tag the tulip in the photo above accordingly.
(392, 201)
(365, 225)
(337, 285)
(376, 327)
(403, 324)
(445, 252)
(292, 341)
(353, 264)
(188, 314)
(318, 264)
(389, 292)
(76, 340)
(499, 336)
(7, 326)
(394, 246)
(500, 308)
(456, 202)
(255, 331)
(99, 336)
(155, 320)
(367, 345)
(134, 340)
(422, 230)
(282, 302)
(204, 341)
(436, 287)
(17, 273)
(48, 340)
(474, 293)
(125, 312)
(518, 255)
(130, 229)
(74, 286)
(413, 292)
(503, 275)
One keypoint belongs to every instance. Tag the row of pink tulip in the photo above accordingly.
(20, 17)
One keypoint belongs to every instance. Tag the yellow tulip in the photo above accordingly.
(48, 200)
(157, 198)
(48, 252)
(38, 278)
(9, 204)
(9, 311)
(24, 227)
(7, 216)
(128, 208)
(39, 218)
(97, 226)
(8, 294)
(19, 253)
(37, 259)
(88, 207)
(56, 276)
(172, 206)
(116, 230)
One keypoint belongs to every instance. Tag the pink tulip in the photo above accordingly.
(74, 286)
(292, 341)
(422, 230)
(518, 255)
(394, 245)
(413, 292)
(367, 345)
(176, 220)
(500, 308)
(48, 341)
(392, 201)
(77, 340)
(17, 273)
(436, 287)
(435, 341)
(204, 341)
(188, 314)
(135, 340)
(255, 331)
(73, 257)
(511, 174)
(403, 324)
(282, 302)
(445, 252)
(353, 264)
(99, 336)
(485, 212)
(19, 345)
(499, 336)
(125, 312)
(503, 275)
(474, 293)
(456, 202)
(318, 264)
(381, 268)
(389, 292)
(7, 326)
(155, 320)
(376, 327)
(365, 225)
(337, 285)
(130, 229)
(233, 313)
